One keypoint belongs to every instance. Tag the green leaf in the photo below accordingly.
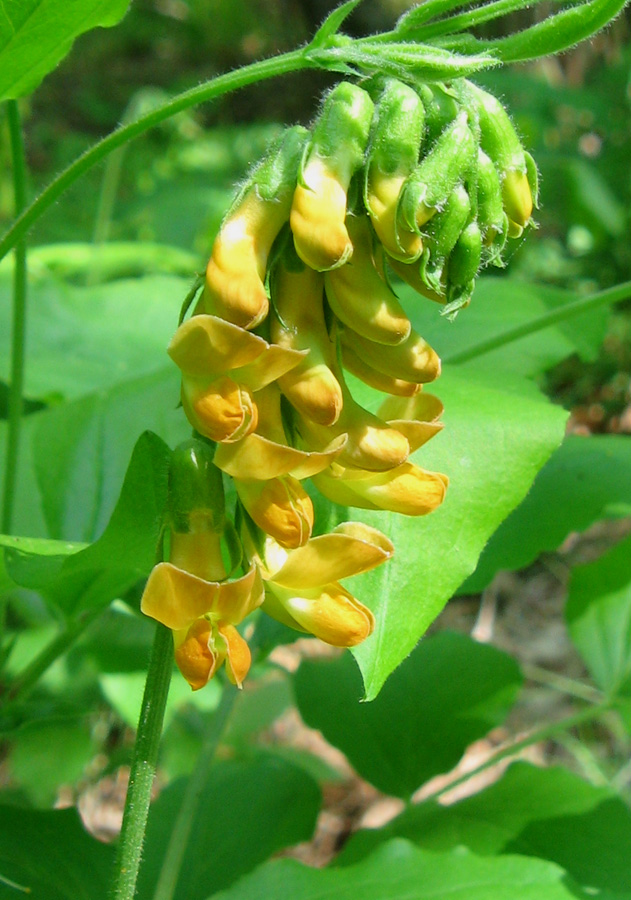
(332, 24)
(81, 449)
(500, 304)
(46, 754)
(52, 855)
(248, 811)
(123, 554)
(548, 813)
(498, 433)
(82, 339)
(598, 615)
(399, 871)
(35, 35)
(447, 694)
(587, 479)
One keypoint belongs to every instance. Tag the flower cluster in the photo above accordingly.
(297, 294)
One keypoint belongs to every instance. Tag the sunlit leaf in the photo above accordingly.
(35, 35)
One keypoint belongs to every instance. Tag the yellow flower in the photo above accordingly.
(222, 366)
(280, 507)
(302, 588)
(298, 323)
(202, 613)
(517, 198)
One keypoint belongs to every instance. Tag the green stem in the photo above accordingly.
(51, 652)
(562, 683)
(535, 737)
(181, 831)
(209, 90)
(18, 335)
(143, 765)
(569, 311)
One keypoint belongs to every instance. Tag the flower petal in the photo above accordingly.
(415, 417)
(331, 614)
(259, 458)
(208, 346)
(195, 654)
(406, 489)
(349, 550)
(221, 410)
(280, 507)
(238, 656)
(274, 362)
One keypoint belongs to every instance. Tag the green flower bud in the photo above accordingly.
(334, 154)
(441, 108)
(492, 219)
(462, 269)
(500, 142)
(440, 236)
(395, 140)
(448, 162)
(196, 497)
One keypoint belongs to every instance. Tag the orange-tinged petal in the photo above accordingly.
(280, 507)
(412, 360)
(274, 362)
(406, 489)
(222, 410)
(198, 552)
(193, 654)
(238, 656)
(370, 376)
(415, 417)
(330, 613)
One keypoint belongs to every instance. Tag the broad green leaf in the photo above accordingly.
(598, 615)
(548, 813)
(35, 35)
(82, 339)
(447, 694)
(588, 478)
(45, 754)
(498, 305)
(81, 449)
(399, 871)
(248, 811)
(51, 854)
(123, 554)
(498, 433)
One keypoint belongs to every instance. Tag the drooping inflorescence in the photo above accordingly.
(423, 183)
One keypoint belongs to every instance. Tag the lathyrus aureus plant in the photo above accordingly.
(406, 178)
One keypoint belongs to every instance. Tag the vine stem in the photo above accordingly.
(181, 831)
(568, 311)
(293, 61)
(535, 737)
(143, 765)
(18, 330)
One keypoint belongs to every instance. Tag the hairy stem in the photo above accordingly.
(181, 832)
(143, 765)
(209, 90)
(18, 332)
(569, 311)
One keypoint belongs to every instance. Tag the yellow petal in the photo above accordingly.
(259, 458)
(412, 360)
(198, 552)
(238, 656)
(406, 489)
(415, 417)
(360, 297)
(193, 654)
(234, 277)
(382, 199)
(411, 274)
(274, 362)
(221, 410)
(330, 613)
(208, 346)
(349, 550)
(177, 598)
(370, 376)
(280, 507)
(317, 217)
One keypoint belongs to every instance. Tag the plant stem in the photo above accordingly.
(143, 765)
(535, 737)
(562, 683)
(209, 90)
(569, 311)
(18, 332)
(181, 831)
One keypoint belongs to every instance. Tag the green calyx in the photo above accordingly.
(340, 133)
(196, 496)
